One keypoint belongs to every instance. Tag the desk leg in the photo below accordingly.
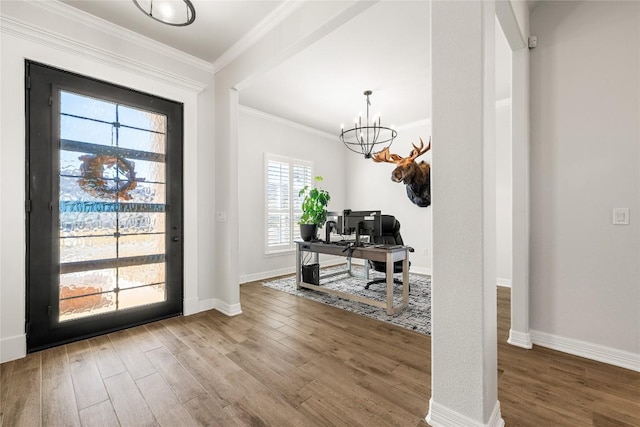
(298, 266)
(389, 275)
(405, 278)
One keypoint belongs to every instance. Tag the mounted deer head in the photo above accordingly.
(416, 176)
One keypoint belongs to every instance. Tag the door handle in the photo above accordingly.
(176, 239)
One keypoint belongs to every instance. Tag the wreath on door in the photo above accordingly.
(94, 182)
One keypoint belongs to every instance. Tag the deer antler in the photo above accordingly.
(419, 151)
(385, 156)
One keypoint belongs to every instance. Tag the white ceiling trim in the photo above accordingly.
(417, 123)
(285, 122)
(36, 34)
(256, 33)
(122, 33)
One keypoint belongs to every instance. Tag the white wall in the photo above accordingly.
(370, 187)
(44, 32)
(260, 133)
(585, 160)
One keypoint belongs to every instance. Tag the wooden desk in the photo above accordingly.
(390, 256)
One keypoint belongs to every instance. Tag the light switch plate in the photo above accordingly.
(221, 217)
(620, 216)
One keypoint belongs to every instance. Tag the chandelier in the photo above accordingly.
(367, 139)
(178, 13)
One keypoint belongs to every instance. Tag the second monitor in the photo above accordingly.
(362, 223)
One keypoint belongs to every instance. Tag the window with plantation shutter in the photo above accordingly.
(284, 178)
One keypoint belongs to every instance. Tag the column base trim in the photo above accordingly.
(221, 306)
(520, 339)
(13, 348)
(441, 416)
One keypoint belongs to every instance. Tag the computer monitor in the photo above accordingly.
(362, 223)
(333, 225)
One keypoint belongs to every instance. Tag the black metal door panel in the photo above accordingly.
(104, 207)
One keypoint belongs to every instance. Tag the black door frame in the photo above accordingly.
(42, 252)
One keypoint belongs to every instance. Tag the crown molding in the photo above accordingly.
(417, 123)
(256, 33)
(286, 122)
(48, 38)
(86, 19)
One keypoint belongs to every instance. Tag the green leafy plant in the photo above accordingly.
(314, 204)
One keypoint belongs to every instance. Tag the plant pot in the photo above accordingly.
(308, 232)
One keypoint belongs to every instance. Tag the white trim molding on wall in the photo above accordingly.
(246, 278)
(221, 306)
(520, 339)
(39, 35)
(600, 353)
(286, 122)
(13, 348)
(441, 416)
(124, 34)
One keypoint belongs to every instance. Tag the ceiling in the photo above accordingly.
(384, 49)
(218, 25)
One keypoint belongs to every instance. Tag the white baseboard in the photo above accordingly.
(207, 304)
(190, 306)
(221, 306)
(441, 416)
(520, 339)
(228, 309)
(504, 282)
(246, 278)
(13, 348)
(424, 271)
(600, 353)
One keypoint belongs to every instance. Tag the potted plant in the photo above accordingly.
(314, 210)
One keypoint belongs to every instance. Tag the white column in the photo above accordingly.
(519, 334)
(463, 343)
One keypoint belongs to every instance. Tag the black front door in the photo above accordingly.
(104, 207)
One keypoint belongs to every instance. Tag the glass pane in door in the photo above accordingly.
(112, 195)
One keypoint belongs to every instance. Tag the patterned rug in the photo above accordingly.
(416, 316)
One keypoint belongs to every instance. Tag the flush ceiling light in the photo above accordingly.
(178, 13)
(367, 139)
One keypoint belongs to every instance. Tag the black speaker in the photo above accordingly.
(311, 274)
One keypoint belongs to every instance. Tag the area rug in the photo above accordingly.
(416, 316)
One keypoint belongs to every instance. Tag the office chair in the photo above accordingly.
(390, 236)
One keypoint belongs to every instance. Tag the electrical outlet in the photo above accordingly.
(620, 216)
(221, 216)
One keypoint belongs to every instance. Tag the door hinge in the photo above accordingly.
(533, 42)
(51, 206)
(27, 328)
(27, 205)
(49, 311)
(28, 82)
(50, 101)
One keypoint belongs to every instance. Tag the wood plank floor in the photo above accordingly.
(287, 361)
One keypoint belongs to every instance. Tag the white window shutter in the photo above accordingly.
(284, 178)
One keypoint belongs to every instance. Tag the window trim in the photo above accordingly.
(281, 249)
